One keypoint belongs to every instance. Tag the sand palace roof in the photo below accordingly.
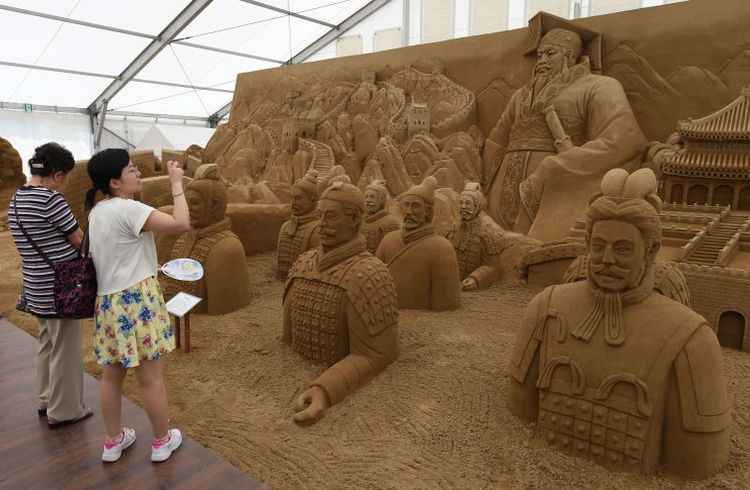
(730, 124)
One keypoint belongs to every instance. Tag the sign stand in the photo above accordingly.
(179, 307)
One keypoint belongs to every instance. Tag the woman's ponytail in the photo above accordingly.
(90, 198)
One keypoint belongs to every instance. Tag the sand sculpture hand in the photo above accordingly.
(175, 171)
(469, 284)
(310, 405)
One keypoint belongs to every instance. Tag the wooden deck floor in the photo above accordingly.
(34, 457)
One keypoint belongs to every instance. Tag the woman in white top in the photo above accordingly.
(132, 327)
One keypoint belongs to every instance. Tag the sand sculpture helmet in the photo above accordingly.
(376, 195)
(558, 50)
(365, 136)
(472, 201)
(305, 194)
(623, 230)
(289, 141)
(341, 208)
(417, 204)
(206, 197)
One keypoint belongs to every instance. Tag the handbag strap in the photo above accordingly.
(84, 243)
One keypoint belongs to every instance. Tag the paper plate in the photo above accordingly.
(183, 269)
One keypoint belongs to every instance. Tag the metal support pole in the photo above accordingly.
(100, 124)
(406, 19)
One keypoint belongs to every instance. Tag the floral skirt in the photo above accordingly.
(132, 325)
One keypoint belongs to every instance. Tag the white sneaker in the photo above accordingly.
(110, 455)
(162, 453)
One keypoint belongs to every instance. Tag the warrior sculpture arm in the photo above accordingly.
(613, 136)
(369, 353)
(523, 396)
(445, 283)
(697, 414)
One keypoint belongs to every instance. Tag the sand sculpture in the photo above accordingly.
(287, 163)
(556, 138)
(11, 176)
(378, 222)
(340, 306)
(708, 160)
(613, 371)
(301, 232)
(224, 286)
(479, 242)
(422, 263)
(669, 280)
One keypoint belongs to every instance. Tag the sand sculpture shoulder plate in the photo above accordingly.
(371, 290)
(704, 405)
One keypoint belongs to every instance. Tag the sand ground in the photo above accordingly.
(434, 419)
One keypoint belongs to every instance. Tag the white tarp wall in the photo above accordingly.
(173, 138)
(27, 130)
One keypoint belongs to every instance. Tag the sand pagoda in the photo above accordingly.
(714, 165)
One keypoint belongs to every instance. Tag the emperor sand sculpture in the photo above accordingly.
(378, 221)
(300, 233)
(555, 140)
(340, 306)
(614, 371)
(423, 264)
(224, 287)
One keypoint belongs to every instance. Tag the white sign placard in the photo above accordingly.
(182, 303)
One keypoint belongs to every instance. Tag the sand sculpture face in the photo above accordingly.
(343, 123)
(419, 156)
(558, 49)
(302, 202)
(374, 201)
(415, 212)
(338, 224)
(207, 203)
(469, 207)
(617, 254)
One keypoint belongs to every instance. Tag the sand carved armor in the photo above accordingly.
(297, 235)
(378, 225)
(479, 246)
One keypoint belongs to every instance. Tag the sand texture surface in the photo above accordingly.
(436, 418)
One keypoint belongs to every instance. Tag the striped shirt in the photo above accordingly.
(48, 220)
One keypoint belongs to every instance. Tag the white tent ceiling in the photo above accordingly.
(245, 35)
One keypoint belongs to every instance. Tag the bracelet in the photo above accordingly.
(178, 195)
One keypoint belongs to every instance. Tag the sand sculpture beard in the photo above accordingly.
(609, 304)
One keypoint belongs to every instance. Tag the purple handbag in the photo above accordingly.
(75, 280)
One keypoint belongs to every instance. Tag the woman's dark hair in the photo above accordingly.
(103, 167)
(50, 158)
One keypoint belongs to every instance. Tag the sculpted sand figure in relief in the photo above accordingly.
(556, 138)
(300, 233)
(11, 175)
(340, 306)
(225, 287)
(613, 371)
(479, 242)
(422, 263)
(378, 222)
(287, 163)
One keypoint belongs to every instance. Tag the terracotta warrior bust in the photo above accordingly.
(224, 287)
(378, 221)
(340, 306)
(422, 263)
(478, 242)
(612, 370)
(300, 233)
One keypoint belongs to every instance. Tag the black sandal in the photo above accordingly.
(42, 411)
(54, 424)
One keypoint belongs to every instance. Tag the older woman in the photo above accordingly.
(40, 220)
